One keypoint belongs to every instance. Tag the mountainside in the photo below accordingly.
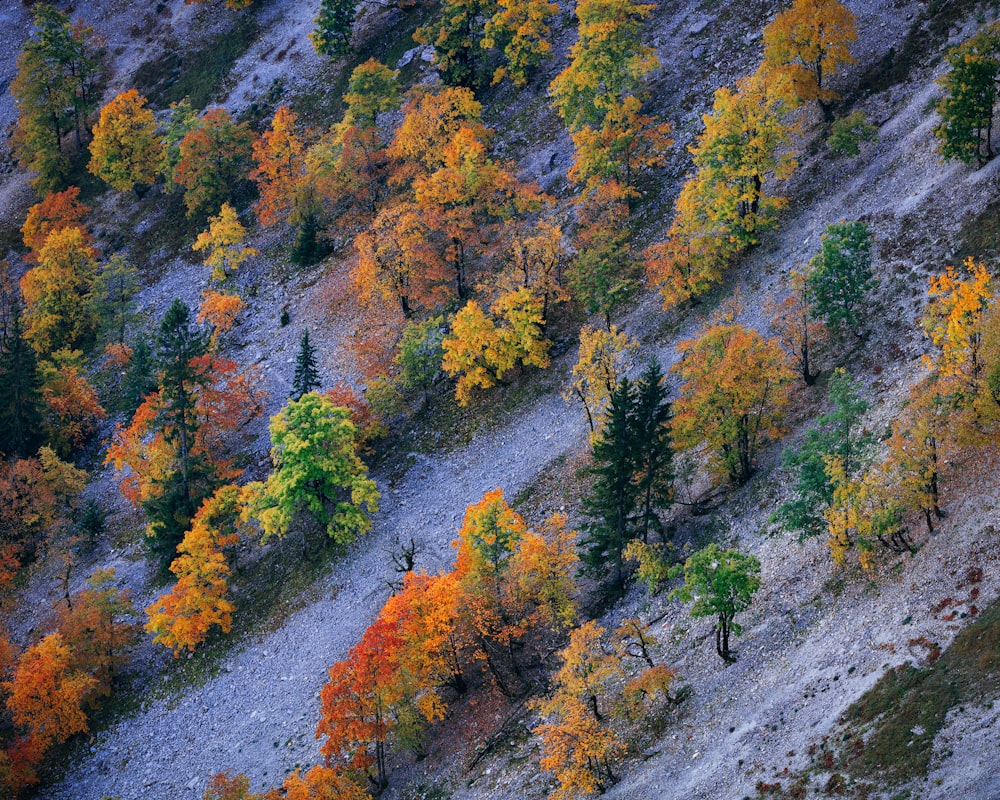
(818, 635)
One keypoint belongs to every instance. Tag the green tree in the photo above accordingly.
(187, 482)
(841, 275)
(612, 503)
(316, 469)
(420, 353)
(59, 81)
(721, 583)
(970, 96)
(116, 285)
(607, 62)
(836, 434)
(653, 447)
(332, 36)
(139, 380)
(457, 38)
(20, 389)
(306, 377)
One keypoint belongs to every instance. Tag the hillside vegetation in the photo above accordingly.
(471, 399)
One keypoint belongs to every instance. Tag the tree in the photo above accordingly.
(357, 703)
(970, 85)
(224, 242)
(59, 81)
(697, 249)
(213, 158)
(513, 582)
(73, 410)
(420, 352)
(538, 262)
(126, 150)
(840, 275)
(56, 211)
(306, 378)
(316, 469)
(139, 380)
(332, 35)
(372, 89)
(219, 310)
(836, 434)
(457, 38)
(20, 389)
(578, 744)
(745, 143)
(46, 693)
(519, 28)
(602, 358)
(180, 120)
(614, 497)
(481, 351)
(279, 155)
(59, 307)
(603, 274)
(182, 617)
(806, 43)
(798, 329)
(606, 62)
(99, 627)
(653, 447)
(319, 783)
(736, 385)
(721, 583)
(114, 289)
(955, 323)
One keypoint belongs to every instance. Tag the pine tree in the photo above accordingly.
(306, 373)
(841, 275)
(612, 504)
(189, 482)
(139, 380)
(20, 397)
(653, 448)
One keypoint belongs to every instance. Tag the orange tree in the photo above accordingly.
(735, 388)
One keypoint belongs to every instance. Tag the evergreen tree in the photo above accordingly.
(653, 448)
(139, 380)
(308, 249)
(612, 504)
(20, 398)
(184, 487)
(306, 373)
(836, 434)
(332, 36)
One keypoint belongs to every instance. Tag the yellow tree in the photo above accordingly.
(125, 150)
(696, 251)
(736, 386)
(603, 356)
(60, 311)
(578, 744)
(481, 350)
(224, 242)
(807, 43)
(954, 322)
(279, 156)
(182, 617)
(537, 262)
(520, 29)
(745, 143)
